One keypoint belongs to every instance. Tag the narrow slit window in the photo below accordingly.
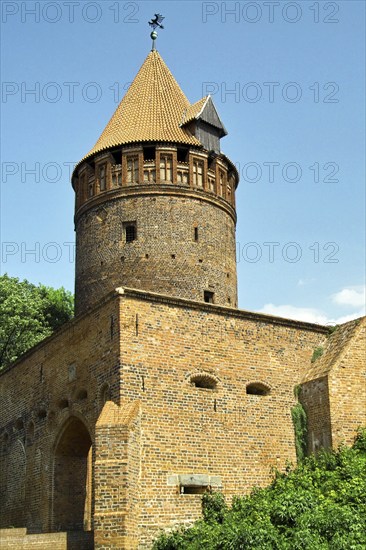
(102, 177)
(222, 183)
(198, 173)
(166, 168)
(132, 169)
(196, 234)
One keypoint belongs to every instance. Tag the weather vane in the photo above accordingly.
(155, 22)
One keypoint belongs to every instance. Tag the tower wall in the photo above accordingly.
(184, 246)
(158, 218)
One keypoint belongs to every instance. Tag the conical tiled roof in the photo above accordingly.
(151, 110)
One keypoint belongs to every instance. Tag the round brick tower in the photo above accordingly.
(155, 198)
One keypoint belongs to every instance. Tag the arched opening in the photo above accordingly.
(257, 388)
(73, 478)
(203, 381)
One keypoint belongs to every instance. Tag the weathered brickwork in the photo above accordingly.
(184, 246)
(18, 539)
(218, 432)
(315, 399)
(347, 387)
(334, 388)
(160, 389)
(64, 377)
(127, 371)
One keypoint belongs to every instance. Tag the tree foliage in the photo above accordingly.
(319, 505)
(28, 314)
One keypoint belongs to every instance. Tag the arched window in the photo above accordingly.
(205, 381)
(257, 388)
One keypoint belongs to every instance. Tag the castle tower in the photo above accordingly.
(155, 198)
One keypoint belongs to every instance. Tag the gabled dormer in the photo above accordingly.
(202, 121)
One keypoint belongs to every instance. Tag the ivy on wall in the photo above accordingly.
(299, 420)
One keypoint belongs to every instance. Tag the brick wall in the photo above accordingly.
(124, 376)
(315, 399)
(63, 377)
(17, 539)
(165, 257)
(347, 387)
(222, 432)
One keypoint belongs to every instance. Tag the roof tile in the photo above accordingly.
(151, 110)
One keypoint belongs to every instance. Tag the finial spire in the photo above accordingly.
(155, 22)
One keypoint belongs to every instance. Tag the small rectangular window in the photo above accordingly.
(196, 234)
(130, 230)
(208, 296)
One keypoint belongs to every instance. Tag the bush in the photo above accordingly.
(319, 505)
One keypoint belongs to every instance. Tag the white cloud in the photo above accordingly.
(310, 315)
(352, 296)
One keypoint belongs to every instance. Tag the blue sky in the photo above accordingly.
(288, 80)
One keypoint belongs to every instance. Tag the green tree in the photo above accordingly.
(28, 314)
(319, 505)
